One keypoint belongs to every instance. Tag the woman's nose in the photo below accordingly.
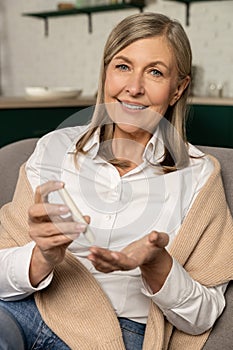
(135, 85)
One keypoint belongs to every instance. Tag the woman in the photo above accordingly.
(157, 266)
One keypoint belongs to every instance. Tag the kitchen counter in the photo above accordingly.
(85, 101)
(211, 101)
(23, 102)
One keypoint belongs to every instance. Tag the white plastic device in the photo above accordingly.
(76, 214)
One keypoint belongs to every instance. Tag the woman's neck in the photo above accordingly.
(129, 147)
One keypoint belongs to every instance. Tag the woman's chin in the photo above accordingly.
(123, 130)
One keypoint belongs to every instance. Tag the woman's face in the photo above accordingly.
(141, 81)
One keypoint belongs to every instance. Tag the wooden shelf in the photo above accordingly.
(86, 11)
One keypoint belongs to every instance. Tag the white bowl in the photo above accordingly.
(51, 93)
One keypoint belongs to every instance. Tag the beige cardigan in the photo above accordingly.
(74, 305)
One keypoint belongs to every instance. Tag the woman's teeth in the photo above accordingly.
(134, 107)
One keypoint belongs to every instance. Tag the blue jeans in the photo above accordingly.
(21, 328)
(133, 333)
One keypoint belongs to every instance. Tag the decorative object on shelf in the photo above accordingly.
(216, 89)
(65, 6)
(40, 93)
(87, 10)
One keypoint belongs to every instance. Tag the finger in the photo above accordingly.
(49, 229)
(160, 239)
(104, 268)
(87, 219)
(114, 260)
(124, 261)
(46, 243)
(102, 260)
(38, 212)
(42, 191)
(102, 265)
(101, 254)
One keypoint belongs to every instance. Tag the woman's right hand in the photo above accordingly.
(51, 233)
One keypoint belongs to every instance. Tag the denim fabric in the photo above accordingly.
(27, 325)
(38, 335)
(133, 333)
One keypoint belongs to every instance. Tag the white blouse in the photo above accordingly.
(122, 209)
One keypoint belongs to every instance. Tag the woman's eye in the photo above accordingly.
(156, 73)
(122, 67)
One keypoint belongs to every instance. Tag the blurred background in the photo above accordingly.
(68, 55)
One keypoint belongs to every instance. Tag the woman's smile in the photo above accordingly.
(132, 106)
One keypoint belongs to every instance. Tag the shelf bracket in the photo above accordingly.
(46, 27)
(187, 13)
(89, 23)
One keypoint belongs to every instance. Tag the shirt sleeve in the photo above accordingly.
(185, 302)
(14, 277)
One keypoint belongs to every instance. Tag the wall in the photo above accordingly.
(70, 56)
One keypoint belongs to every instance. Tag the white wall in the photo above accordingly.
(70, 56)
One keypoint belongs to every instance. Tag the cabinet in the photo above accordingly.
(208, 124)
(89, 10)
(24, 118)
(32, 122)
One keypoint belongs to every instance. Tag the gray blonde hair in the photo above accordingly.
(129, 30)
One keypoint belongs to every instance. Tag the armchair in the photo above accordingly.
(13, 155)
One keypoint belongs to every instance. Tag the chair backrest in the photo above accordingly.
(221, 336)
(12, 156)
(15, 154)
(225, 157)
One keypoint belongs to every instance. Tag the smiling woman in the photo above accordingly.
(142, 76)
(157, 265)
(146, 66)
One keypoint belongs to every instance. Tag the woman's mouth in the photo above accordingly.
(132, 106)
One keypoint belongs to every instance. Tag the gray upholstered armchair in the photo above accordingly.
(13, 155)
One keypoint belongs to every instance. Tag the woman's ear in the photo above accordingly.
(179, 90)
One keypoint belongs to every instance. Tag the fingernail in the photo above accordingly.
(59, 184)
(81, 226)
(63, 209)
(115, 256)
(91, 258)
(73, 236)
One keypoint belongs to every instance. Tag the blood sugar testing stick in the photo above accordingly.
(76, 214)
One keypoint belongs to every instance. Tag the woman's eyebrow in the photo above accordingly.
(155, 63)
(151, 64)
(123, 58)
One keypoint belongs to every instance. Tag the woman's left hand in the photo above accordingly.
(147, 253)
(146, 250)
